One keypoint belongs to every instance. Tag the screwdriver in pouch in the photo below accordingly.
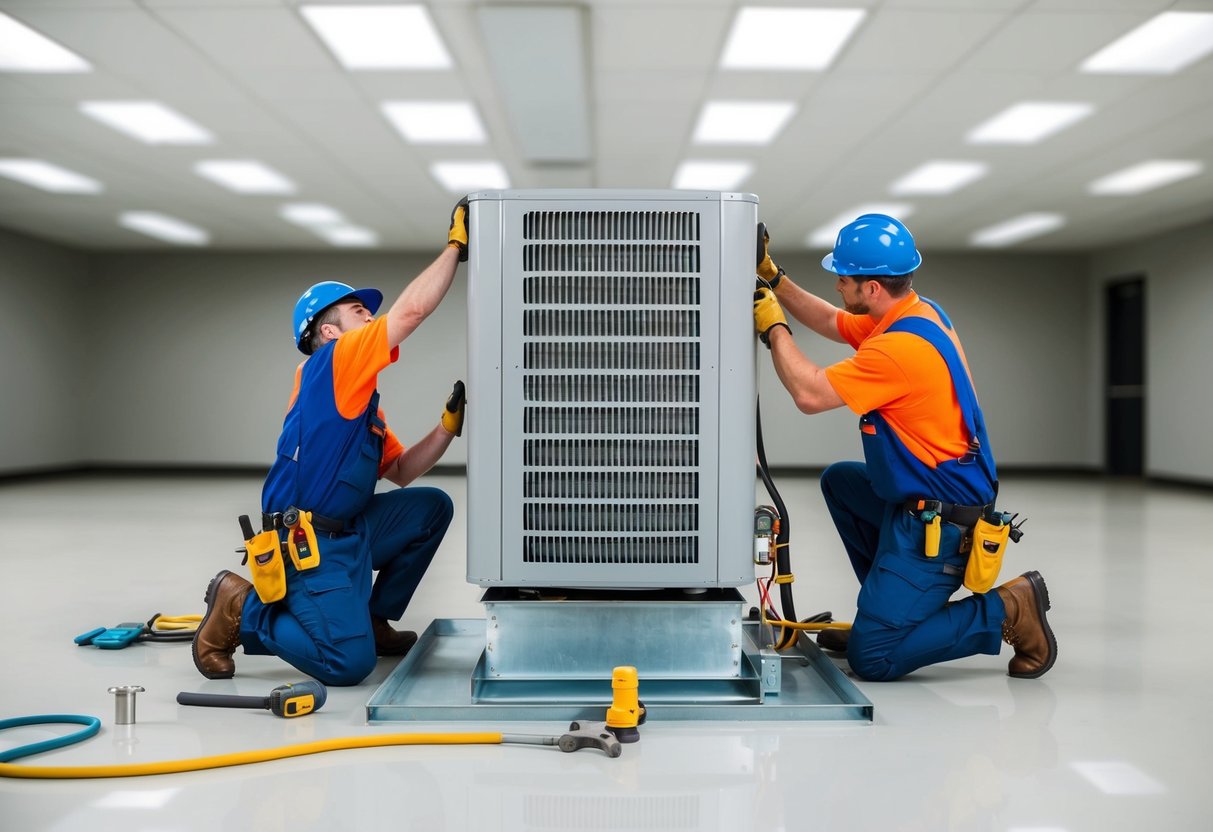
(285, 700)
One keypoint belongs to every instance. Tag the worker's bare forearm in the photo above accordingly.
(805, 381)
(816, 313)
(419, 458)
(422, 296)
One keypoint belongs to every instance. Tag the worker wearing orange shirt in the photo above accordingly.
(320, 610)
(918, 517)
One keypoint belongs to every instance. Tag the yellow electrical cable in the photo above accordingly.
(244, 757)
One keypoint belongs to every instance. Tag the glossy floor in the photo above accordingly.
(1117, 736)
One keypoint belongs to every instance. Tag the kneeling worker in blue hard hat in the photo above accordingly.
(918, 517)
(318, 609)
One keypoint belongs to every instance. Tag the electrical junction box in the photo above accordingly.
(611, 388)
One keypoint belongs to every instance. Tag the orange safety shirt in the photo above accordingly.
(904, 377)
(358, 357)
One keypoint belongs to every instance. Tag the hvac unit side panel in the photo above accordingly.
(608, 275)
(482, 428)
(611, 389)
(735, 516)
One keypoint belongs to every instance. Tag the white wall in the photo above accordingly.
(42, 343)
(1178, 269)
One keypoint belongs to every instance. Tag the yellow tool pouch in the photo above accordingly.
(301, 539)
(985, 555)
(266, 565)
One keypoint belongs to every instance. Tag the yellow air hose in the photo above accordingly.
(223, 760)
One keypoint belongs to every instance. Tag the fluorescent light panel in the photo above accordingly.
(163, 227)
(379, 37)
(1016, 230)
(349, 236)
(39, 174)
(24, 50)
(1162, 45)
(245, 176)
(788, 39)
(1029, 122)
(711, 176)
(939, 177)
(465, 177)
(147, 121)
(1145, 177)
(825, 235)
(1118, 777)
(311, 214)
(435, 122)
(742, 122)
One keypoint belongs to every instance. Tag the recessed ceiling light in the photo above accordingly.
(435, 122)
(164, 227)
(147, 121)
(348, 236)
(48, 177)
(311, 214)
(465, 177)
(245, 176)
(793, 39)
(711, 176)
(939, 178)
(742, 122)
(1145, 177)
(1016, 230)
(1029, 122)
(24, 50)
(379, 37)
(825, 235)
(1162, 45)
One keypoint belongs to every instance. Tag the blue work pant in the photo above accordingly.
(323, 625)
(904, 620)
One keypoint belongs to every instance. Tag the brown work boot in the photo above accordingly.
(218, 635)
(389, 642)
(1025, 628)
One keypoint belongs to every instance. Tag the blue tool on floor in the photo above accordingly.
(157, 628)
(112, 638)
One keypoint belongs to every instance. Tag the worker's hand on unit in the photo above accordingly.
(452, 414)
(767, 270)
(457, 236)
(768, 314)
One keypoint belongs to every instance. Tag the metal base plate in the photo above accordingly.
(435, 682)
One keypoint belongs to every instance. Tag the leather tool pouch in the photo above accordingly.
(985, 555)
(267, 567)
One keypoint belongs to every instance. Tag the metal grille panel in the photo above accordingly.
(611, 386)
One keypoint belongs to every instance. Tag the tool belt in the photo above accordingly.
(966, 516)
(319, 522)
(986, 532)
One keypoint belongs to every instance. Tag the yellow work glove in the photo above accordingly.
(457, 236)
(767, 270)
(768, 314)
(452, 414)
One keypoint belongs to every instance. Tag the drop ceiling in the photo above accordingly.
(906, 88)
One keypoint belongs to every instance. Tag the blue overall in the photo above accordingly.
(329, 465)
(904, 621)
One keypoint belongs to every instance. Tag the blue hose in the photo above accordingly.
(91, 726)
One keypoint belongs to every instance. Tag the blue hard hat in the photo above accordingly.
(323, 295)
(873, 244)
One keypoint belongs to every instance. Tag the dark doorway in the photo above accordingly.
(1125, 352)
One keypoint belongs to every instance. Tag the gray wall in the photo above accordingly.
(1178, 269)
(1028, 355)
(187, 358)
(200, 366)
(42, 344)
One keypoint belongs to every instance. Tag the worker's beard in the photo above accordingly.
(859, 307)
